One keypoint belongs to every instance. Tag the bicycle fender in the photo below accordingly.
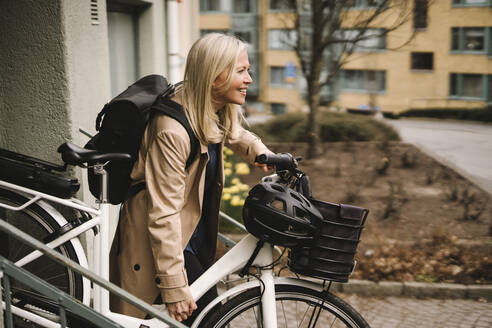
(253, 284)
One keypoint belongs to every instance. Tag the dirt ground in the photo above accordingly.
(426, 222)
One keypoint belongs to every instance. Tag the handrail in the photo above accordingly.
(10, 229)
(229, 242)
(233, 221)
(63, 299)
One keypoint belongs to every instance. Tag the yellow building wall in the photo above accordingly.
(407, 88)
(289, 96)
(215, 22)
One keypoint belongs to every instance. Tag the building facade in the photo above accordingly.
(447, 63)
(62, 60)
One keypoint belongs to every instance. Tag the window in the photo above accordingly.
(489, 96)
(123, 38)
(423, 60)
(203, 32)
(468, 39)
(278, 108)
(281, 39)
(248, 36)
(283, 76)
(363, 4)
(470, 3)
(467, 85)
(472, 85)
(371, 39)
(242, 6)
(277, 76)
(364, 80)
(280, 5)
(420, 14)
(244, 36)
(209, 5)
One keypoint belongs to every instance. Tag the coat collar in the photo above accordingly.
(203, 148)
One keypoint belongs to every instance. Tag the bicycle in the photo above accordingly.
(263, 299)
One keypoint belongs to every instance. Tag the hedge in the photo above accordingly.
(333, 127)
(478, 114)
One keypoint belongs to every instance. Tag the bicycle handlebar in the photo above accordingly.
(283, 161)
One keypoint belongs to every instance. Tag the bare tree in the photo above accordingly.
(329, 32)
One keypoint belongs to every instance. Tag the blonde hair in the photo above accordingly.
(209, 56)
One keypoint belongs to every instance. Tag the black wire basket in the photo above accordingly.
(331, 257)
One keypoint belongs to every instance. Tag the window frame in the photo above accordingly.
(420, 15)
(282, 84)
(421, 69)
(381, 39)
(219, 10)
(250, 3)
(380, 78)
(206, 31)
(277, 10)
(362, 5)
(291, 35)
(463, 4)
(487, 36)
(283, 105)
(486, 81)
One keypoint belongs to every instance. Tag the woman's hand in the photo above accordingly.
(181, 310)
(264, 167)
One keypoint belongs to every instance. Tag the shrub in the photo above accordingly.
(476, 114)
(234, 192)
(333, 127)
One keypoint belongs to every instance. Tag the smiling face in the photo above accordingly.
(236, 94)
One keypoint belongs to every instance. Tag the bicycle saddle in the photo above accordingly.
(75, 155)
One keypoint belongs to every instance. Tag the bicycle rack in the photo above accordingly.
(65, 302)
(9, 271)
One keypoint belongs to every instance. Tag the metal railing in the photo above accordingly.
(63, 300)
(66, 303)
(9, 271)
(229, 243)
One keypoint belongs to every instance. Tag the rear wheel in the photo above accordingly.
(38, 223)
(296, 307)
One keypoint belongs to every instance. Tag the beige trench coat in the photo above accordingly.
(156, 224)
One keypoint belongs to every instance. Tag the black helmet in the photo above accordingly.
(280, 215)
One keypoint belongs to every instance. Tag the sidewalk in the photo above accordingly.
(464, 146)
(409, 312)
(415, 289)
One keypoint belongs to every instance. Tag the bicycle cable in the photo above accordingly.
(274, 263)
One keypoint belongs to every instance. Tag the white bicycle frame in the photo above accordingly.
(231, 262)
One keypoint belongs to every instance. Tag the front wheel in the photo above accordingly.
(296, 307)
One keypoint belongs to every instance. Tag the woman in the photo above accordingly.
(168, 231)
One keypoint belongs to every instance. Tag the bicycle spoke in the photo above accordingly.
(38, 223)
(245, 320)
(19, 250)
(46, 267)
(335, 320)
(283, 310)
(56, 277)
(297, 321)
(304, 315)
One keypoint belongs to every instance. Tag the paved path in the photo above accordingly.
(399, 312)
(465, 146)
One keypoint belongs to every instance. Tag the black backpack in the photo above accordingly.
(121, 125)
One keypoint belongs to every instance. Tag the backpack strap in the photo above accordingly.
(172, 109)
